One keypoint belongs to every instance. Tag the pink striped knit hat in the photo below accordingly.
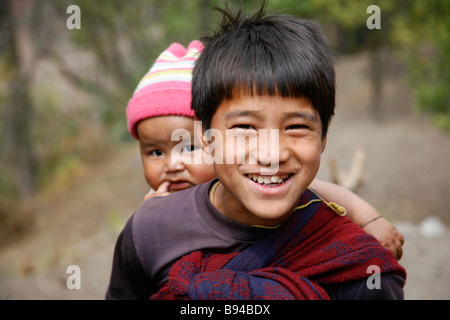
(166, 88)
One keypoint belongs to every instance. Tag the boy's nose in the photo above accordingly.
(283, 153)
(271, 149)
(271, 164)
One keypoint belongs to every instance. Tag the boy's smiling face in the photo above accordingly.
(246, 195)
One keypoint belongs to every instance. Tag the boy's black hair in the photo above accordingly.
(264, 55)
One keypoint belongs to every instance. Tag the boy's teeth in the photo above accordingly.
(268, 179)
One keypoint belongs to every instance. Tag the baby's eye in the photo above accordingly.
(189, 148)
(156, 153)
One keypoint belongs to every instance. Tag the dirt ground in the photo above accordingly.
(406, 177)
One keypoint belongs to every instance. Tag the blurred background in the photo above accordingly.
(70, 173)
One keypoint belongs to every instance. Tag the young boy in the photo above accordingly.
(254, 87)
(161, 105)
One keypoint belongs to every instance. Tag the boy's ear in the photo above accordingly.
(199, 133)
(324, 143)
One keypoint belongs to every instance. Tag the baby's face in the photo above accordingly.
(173, 161)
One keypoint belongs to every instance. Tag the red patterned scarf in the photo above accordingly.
(314, 247)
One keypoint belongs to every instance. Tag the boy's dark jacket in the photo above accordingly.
(315, 247)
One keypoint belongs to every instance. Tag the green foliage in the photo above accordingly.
(418, 31)
(422, 32)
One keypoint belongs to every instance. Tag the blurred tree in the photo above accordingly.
(418, 31)
(123, 37)
(346, 21)
(18, 153)
(423, 34)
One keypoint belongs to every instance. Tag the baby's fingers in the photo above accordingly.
(399, 241)
(163, 187)
(394, 244)
(163, 190)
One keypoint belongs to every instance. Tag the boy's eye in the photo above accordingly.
(156, 153)
(243, 126)
(297, 126)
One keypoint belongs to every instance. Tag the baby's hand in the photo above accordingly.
(163, 190)
(387, 234)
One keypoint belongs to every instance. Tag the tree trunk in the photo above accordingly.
(376, 57)
(18, 151)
